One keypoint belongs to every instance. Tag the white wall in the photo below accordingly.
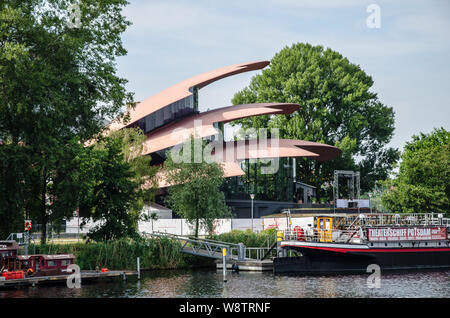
(72, 226)
(282, 224)
(182, 227)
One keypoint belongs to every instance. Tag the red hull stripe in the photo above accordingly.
(371, 250)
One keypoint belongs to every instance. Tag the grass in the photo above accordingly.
(155, 253)
(248, 238)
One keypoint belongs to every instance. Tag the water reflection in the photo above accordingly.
(209, 283)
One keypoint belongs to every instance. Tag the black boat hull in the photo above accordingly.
(341, 261)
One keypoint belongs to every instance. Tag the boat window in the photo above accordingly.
(65, 262)
(51, 263)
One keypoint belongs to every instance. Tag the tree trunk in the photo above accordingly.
(44, 207)
(196, 227)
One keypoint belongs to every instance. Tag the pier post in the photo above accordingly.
(138, 268)
(241, 252)
(224, 255)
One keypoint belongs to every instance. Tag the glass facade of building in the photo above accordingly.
(268, 187)
(169, 113)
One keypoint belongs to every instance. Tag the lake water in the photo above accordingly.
(209, 283)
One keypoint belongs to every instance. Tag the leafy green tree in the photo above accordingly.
(59, 85)
(423, 181)
(337, 108)
(14, 173)
(195, 187)
(120, 184)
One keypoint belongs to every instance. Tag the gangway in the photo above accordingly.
(204, 247)
(236, 254)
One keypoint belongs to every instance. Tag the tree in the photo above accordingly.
(423, 181)
(14, 173)
(337, 108)
(58, 86)
(195, 187)
(119, 185)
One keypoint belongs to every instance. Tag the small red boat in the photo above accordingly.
(12, 265)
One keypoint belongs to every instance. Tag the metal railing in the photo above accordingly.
(203, 247)
(213, 249)
(394, 219)
(350, 235)
(21, 238)
(255, 253)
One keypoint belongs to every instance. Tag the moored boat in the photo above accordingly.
(31, 265)
(351, 243)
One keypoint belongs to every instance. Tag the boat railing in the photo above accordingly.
(355, 235)
(254, 253)
(356, 231)
(398, 219)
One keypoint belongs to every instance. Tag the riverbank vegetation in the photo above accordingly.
(155, 253)
(423, 181)
(59, 88)
(248, 238)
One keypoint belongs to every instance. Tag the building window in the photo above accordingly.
(159, 118)
(149, 123)
(141, 124)
(167, 114)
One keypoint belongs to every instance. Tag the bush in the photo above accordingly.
(157, 253)
(248, 238)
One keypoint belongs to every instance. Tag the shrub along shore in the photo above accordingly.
(154, 253)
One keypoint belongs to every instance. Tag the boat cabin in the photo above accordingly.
(43, 265)
(372, 227)
(8, 254)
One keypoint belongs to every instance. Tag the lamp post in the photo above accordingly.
(252, 196)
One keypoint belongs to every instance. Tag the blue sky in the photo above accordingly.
(407, 57)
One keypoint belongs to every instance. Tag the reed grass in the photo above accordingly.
(248, 238)
(154, 253)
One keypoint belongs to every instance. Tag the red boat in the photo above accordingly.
(31, 265)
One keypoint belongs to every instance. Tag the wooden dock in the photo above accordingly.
(248, 265)
(61, 279)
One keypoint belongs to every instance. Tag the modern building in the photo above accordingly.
(172, 115)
